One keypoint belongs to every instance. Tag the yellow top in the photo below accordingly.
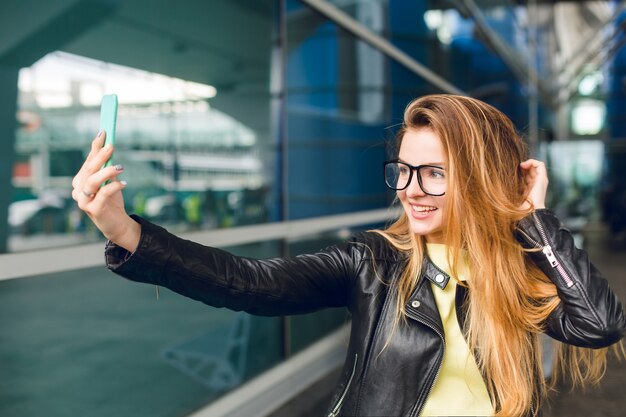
(459, 390)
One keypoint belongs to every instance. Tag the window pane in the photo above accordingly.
(194, 129)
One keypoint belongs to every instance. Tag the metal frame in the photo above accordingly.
(22, 265)
(350, 24)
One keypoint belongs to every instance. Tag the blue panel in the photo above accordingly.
(337, 171)
(407, 16)
(312, 72)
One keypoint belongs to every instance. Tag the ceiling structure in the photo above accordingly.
(565, 38)
(146, 34)
(178, 39)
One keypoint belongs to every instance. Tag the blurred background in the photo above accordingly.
(259, 126)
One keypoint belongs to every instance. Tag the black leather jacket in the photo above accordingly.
(394, 381)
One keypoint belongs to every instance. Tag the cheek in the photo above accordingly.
(442, 208)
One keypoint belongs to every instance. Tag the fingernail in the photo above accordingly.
(123, 182)
(119, 167)
(100, 133)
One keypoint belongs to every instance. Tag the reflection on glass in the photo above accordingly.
(102, 346)
(188, 164)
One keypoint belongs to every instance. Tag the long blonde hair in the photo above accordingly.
(510, 298)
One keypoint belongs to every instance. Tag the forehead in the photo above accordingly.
(421, 146)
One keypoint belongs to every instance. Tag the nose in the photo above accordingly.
(414, 189)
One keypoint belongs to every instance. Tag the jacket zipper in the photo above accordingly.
(337, 408)
(439, 362)
(369, 353)
(547, 251)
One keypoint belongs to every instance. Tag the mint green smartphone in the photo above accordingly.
(108, 117)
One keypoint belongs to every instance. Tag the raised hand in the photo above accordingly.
(104, 203)
(536, 180)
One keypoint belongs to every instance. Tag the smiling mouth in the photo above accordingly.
(423, 209)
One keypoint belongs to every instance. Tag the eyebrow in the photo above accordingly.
(441, 164)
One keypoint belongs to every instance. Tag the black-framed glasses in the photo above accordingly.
(431, 178)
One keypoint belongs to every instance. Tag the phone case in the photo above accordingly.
(108, 117)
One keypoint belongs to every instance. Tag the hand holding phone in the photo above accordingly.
(108, 117)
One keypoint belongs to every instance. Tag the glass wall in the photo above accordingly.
(232, 113)
(289, 118)
(336, 114)
(87, 343)
(193, 131)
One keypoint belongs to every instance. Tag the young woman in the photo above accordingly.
(447, 303)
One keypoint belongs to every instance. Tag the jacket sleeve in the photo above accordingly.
(279, 286)
(590, 314)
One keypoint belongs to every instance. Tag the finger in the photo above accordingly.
(75, 194)
(87, 187)
(538, 169)
(110, 189)
(97, 143)
(78, 192)
(83, 199)
(91, 166)
(99, 158)
(529, 163)
(525, 166)
(533, 168)
(99, 201)
(93, 204)
(93, 183)
(97, 149)
(79, 195)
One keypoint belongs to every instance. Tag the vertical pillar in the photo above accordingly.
(280, 205)
(279, 132)
(8, 125)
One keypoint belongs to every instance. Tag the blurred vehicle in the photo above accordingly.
(46, 214)
(164, 208)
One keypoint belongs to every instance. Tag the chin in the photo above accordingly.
(431, 234)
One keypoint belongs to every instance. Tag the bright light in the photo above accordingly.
(25, 80)
(90, 94)
(53, 100)
(590, 83)
(444, 23)
(200, 90)
(588, 117)
(433, 19)
(52, 80)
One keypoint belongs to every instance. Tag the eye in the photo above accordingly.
(436, 173)
(403, 170)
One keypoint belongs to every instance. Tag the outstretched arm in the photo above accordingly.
(277, 286)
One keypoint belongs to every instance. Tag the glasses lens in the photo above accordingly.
(433, 180)
(397, 175)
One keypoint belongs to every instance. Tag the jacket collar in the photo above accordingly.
(421, 306)
(435, 275)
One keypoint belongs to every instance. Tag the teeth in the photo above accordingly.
(422, 209)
